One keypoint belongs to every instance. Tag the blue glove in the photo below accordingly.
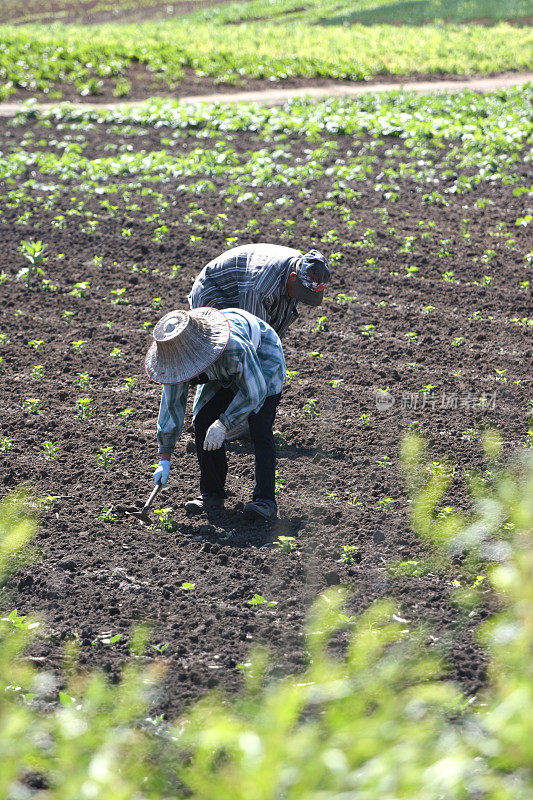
(161, 473)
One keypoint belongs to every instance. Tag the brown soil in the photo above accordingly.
(196, 89)
(93, 577)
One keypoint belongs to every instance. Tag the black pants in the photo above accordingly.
(214, 464)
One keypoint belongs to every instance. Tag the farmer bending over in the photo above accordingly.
(237, 362)
(267, 280)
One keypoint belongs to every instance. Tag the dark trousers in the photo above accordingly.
(214, 463)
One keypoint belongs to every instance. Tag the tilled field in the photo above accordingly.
(429, 302)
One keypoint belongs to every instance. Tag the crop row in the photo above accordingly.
(40, 59)
(367, 11)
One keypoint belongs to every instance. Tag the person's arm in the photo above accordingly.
(251, 389)
(171, 417)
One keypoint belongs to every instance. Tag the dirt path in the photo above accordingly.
(274, 96)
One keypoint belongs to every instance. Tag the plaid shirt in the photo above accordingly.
(253, 277)
(252, 375)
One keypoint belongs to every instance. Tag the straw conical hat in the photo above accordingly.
(185, 344)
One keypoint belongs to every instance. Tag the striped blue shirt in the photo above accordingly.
(252, 374)
(253, 277)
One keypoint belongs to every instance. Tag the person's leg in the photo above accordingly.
(261, 433)
(213, 463)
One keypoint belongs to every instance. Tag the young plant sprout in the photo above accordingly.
(348, 554)
(105, 457)
(310, 407)
(188, 586)
(33, 252)
(81, 289)
(128, 384)
(6, 444)
(386, 504)
(107, 514)
(285, 544)
(321, 324)
(37, 344)
(367, 330)
(146, 325)
(37, 372)
(364, 419)
(32, 405)
(336, 382)
(159, 648)
(79, 345)
(119, 298)
(83, 380)
(125, 417)
(50, 450)
(164, 519)
(116, 352)
(66, 316)
(82, 407)
(291, 373)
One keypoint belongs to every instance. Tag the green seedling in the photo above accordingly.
(285, 544)
(279, 482)
(336, 382)
(32, 405)
(384, 461)
(119, 297)
(259, 600)
(109, 324)
(404, 569)
(386, 504)
(310, 408)
(49, 502)
(160, 648)
(348, 554)
(83, 380)
(105, 457)
(50, 450)
(125, 417)
(314, 354)
(458, 341)
(19, 622)
(321, 324)
(411, 336)
(187, 586)
(66, 316)
(110, 639)
(164, 519)
(157, 303)
(344, 298)
(367, 330)
(33, 252)
(37, 344)
(37, 373)
(280, 440)
(78, 345)
(81, 289)
(6, 444)
(291, 373)
(116, 352)
(364, 419)
(128, 384)
(107, 514)
(82, 407)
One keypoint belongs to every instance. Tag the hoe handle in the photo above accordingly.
(153, 495)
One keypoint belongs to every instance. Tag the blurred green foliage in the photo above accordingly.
(380, 724)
